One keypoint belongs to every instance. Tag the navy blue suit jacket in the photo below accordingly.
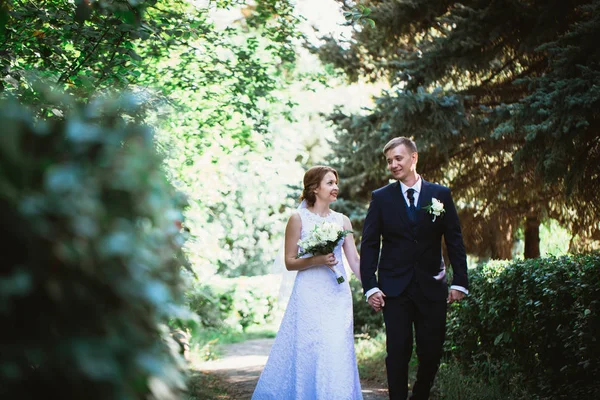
(400, 251)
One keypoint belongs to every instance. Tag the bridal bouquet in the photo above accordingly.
(322, 240)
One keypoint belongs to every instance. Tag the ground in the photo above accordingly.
(237, 371)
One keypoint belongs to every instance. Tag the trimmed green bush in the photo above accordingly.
(366, 321)
(212, 306)
(92, 254)
(454, 383)
(537, 318)
(236, 303)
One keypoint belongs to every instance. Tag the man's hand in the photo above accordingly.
(455, 295)
(376, 301)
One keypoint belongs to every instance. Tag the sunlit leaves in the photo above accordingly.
(359, 15)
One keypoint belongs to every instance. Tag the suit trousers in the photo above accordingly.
(401, 313)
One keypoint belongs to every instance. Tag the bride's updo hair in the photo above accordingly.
(312, 180)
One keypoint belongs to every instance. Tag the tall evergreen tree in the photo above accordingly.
(501, 97)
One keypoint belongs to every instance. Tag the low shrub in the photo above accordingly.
(92, 255)
(236, 303)
(537, 318)
(366, 321)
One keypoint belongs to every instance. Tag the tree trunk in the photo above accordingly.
(532, 235)
(502, 238)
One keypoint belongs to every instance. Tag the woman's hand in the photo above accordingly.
(328, 260)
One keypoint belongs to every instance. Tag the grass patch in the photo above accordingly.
(370, 356)
(202, 386)
(451, 382)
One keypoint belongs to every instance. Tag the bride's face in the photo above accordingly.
(328, 188)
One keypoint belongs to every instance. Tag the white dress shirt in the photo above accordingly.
(417, 190)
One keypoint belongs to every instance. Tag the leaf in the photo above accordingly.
(498, 339)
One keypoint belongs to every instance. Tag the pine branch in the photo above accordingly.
(497, 72)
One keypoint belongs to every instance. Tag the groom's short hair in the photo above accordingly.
(397, 141)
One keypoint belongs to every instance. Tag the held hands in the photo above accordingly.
(328, 260)
(376, 301)
(455, 295)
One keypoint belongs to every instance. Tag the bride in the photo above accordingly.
(313, 354)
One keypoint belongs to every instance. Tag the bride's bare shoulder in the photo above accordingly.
(295, 218)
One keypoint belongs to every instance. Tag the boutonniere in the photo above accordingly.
(436, 208)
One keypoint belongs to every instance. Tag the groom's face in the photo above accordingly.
(401, 162)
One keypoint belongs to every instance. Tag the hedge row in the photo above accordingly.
(538, 319)
(237, 303)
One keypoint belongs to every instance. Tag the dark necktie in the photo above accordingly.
(412, 210)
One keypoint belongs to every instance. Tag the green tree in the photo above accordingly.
(213, 89)
(501, 99)
(86, 46)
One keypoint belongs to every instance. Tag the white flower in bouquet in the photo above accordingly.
(329, 232)
(322, 240)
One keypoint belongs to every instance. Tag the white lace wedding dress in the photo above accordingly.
(313, 355)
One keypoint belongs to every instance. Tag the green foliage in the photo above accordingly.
(213, 88)
(558, 117)
(212, 308)
(277, 22)
(455, 383)
(493, 106)
(218, 140)
(83, 45)
(536, 318)
(370, 356)
(238, 219)
(165, 46)
(366, 321)
(233, 310)
(237, 303)
(359, 14)
(3, 18)
(554, 241)
(254, 307)
(92, 267)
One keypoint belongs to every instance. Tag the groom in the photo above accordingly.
(411, 286)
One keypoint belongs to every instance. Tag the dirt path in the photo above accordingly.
(242, 363)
